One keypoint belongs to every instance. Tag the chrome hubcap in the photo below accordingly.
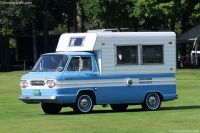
(152, 100)
(84, 103)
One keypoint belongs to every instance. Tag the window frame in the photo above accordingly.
(82, 44)
(141, 54)
(128, 45)
(75, 70)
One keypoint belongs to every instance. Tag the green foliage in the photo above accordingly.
(18, 18)
(107, 13)
(177, 15)
(148, 14)
(196, 14)
(91, 9)
(12, 43)
(14, 17)
(59, 29)
(181, 114)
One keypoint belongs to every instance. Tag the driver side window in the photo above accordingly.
(74, 64)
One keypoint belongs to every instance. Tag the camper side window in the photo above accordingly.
(152, 54)
(127, 55)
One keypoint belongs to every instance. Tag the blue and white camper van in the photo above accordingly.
(104, 68)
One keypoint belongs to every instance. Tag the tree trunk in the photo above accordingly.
(35, 50)
(172, 24)
(184, 28)
(74, 16)
(68, 24)
(4, 53)
(46, 27)
(79, 16)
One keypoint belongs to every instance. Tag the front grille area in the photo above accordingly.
(37, 83)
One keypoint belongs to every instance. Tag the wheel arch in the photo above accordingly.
(150, 102)
(90, 92)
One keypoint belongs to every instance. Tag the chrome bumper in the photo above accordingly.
(38, 99)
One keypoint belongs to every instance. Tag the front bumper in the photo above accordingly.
(39, 99)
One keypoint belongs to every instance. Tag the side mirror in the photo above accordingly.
(60, 69)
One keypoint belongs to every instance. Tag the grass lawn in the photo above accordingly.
(181, 115)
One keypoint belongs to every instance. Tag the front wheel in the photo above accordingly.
(51, 108)
(83, 104)
(152, 102)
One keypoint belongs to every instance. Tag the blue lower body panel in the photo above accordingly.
(103, 95)
(133, 94)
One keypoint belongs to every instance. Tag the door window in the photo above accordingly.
(80, 64)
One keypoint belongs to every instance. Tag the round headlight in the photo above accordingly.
(51, 83)
(24, 83)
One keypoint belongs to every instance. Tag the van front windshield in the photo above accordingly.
(50, 63)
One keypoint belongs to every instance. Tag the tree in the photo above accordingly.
(107, 14)
(196, 15)
(14, 18)
(46, 26)
(36, 17)
(79, 16)
(149, 14)
(170, 12)
(165, 14)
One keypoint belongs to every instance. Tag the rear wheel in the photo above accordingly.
(152, 102)
(119, 107)
(51, 108)
(83, 104)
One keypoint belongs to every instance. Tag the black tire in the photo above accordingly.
(119, 107)
(83, 104)
(51, 108)
(152, 102)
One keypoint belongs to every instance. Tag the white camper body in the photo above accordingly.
(104, 45)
